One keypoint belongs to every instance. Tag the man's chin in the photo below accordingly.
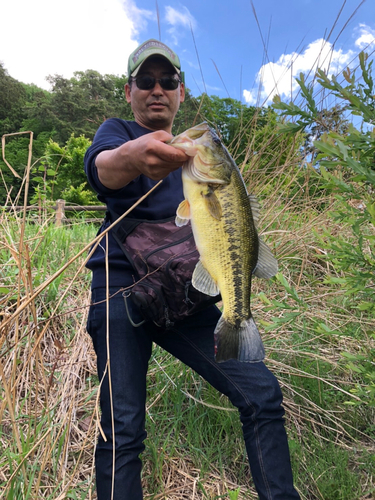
(160, 120)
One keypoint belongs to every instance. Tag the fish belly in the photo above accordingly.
(224, 246)
(227, 244)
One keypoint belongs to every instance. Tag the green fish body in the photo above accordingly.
(223, 218)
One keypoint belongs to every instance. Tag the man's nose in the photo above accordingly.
(157, 90)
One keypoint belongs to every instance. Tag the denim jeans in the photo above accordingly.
(251, 387)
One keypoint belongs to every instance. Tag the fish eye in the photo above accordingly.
(216, 139)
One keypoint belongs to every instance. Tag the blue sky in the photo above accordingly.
(251, 53)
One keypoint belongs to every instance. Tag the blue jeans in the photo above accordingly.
(251, 387)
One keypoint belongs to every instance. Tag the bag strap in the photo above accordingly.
(127, 224)
(125, 227)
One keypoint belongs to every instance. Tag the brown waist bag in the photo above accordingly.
(163, 257)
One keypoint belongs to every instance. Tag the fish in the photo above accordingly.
(224, 221)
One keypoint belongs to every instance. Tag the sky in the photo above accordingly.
(244, 49)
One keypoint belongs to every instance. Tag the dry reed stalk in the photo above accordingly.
(183, 481)
(46, 371)
(71, 364)
(90, 246)
(24, 378)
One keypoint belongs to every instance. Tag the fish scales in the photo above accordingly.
(217, 203)
(235, 255)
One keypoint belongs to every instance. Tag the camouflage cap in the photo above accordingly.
(149, 48)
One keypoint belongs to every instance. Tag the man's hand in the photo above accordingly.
(148, 155)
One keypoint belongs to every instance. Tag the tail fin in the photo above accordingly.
(242, 343)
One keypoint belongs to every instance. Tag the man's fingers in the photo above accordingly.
(166, 152)
(171, 154)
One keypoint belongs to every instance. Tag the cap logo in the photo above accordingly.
(152, 44)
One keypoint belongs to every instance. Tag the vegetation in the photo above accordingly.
(314, 173)
(65, 120)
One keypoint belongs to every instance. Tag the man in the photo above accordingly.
(124, 161)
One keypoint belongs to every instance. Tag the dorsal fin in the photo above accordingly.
(255, 208)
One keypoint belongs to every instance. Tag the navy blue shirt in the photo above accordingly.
(160, 204)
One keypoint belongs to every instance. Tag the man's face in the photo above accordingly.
(156, 108)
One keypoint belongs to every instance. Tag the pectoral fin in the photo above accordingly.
(212, 203)
(183, 213)
(203, 281)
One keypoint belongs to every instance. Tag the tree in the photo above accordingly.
(79, 105)
(187, 114)
(16, 154)
(61, 173)
(16, 99)
(85, 101)
(38, 116)
(224, 114)
(12, 100)
(326, 120)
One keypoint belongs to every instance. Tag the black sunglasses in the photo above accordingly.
(146, 82)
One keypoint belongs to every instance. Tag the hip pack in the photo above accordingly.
(163, 257)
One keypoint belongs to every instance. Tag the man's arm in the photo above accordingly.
(148, 155)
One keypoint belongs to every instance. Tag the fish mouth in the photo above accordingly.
(190, 135)
(197, 142)
(198, 131)
(186, 140)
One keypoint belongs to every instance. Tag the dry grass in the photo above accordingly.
(49, 406)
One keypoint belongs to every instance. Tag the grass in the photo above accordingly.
(311, 329)
(49, 396)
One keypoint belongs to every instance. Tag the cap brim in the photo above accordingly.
(135, 72)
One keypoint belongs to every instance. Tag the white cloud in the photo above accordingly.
(366, 37)
(138, 17)
(279, 77)
(251, 97)
(177, 20)
(46, 37)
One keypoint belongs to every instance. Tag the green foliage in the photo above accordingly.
(316, 316)
(187, 115)
(36, 116)
(307, 113)
(77, 106)
(358, 95)
(79, 195)
(80, 104)
(265, 150)
(248, 132)
(224, 114)
(346, 164)
(311, 122)
(61, 173)
(228, 116)
(234, 495)
(16, 153)
(12, 98)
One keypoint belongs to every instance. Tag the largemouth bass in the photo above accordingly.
(223, 219)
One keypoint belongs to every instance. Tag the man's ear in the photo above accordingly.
(128, 92)
(182, 92)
